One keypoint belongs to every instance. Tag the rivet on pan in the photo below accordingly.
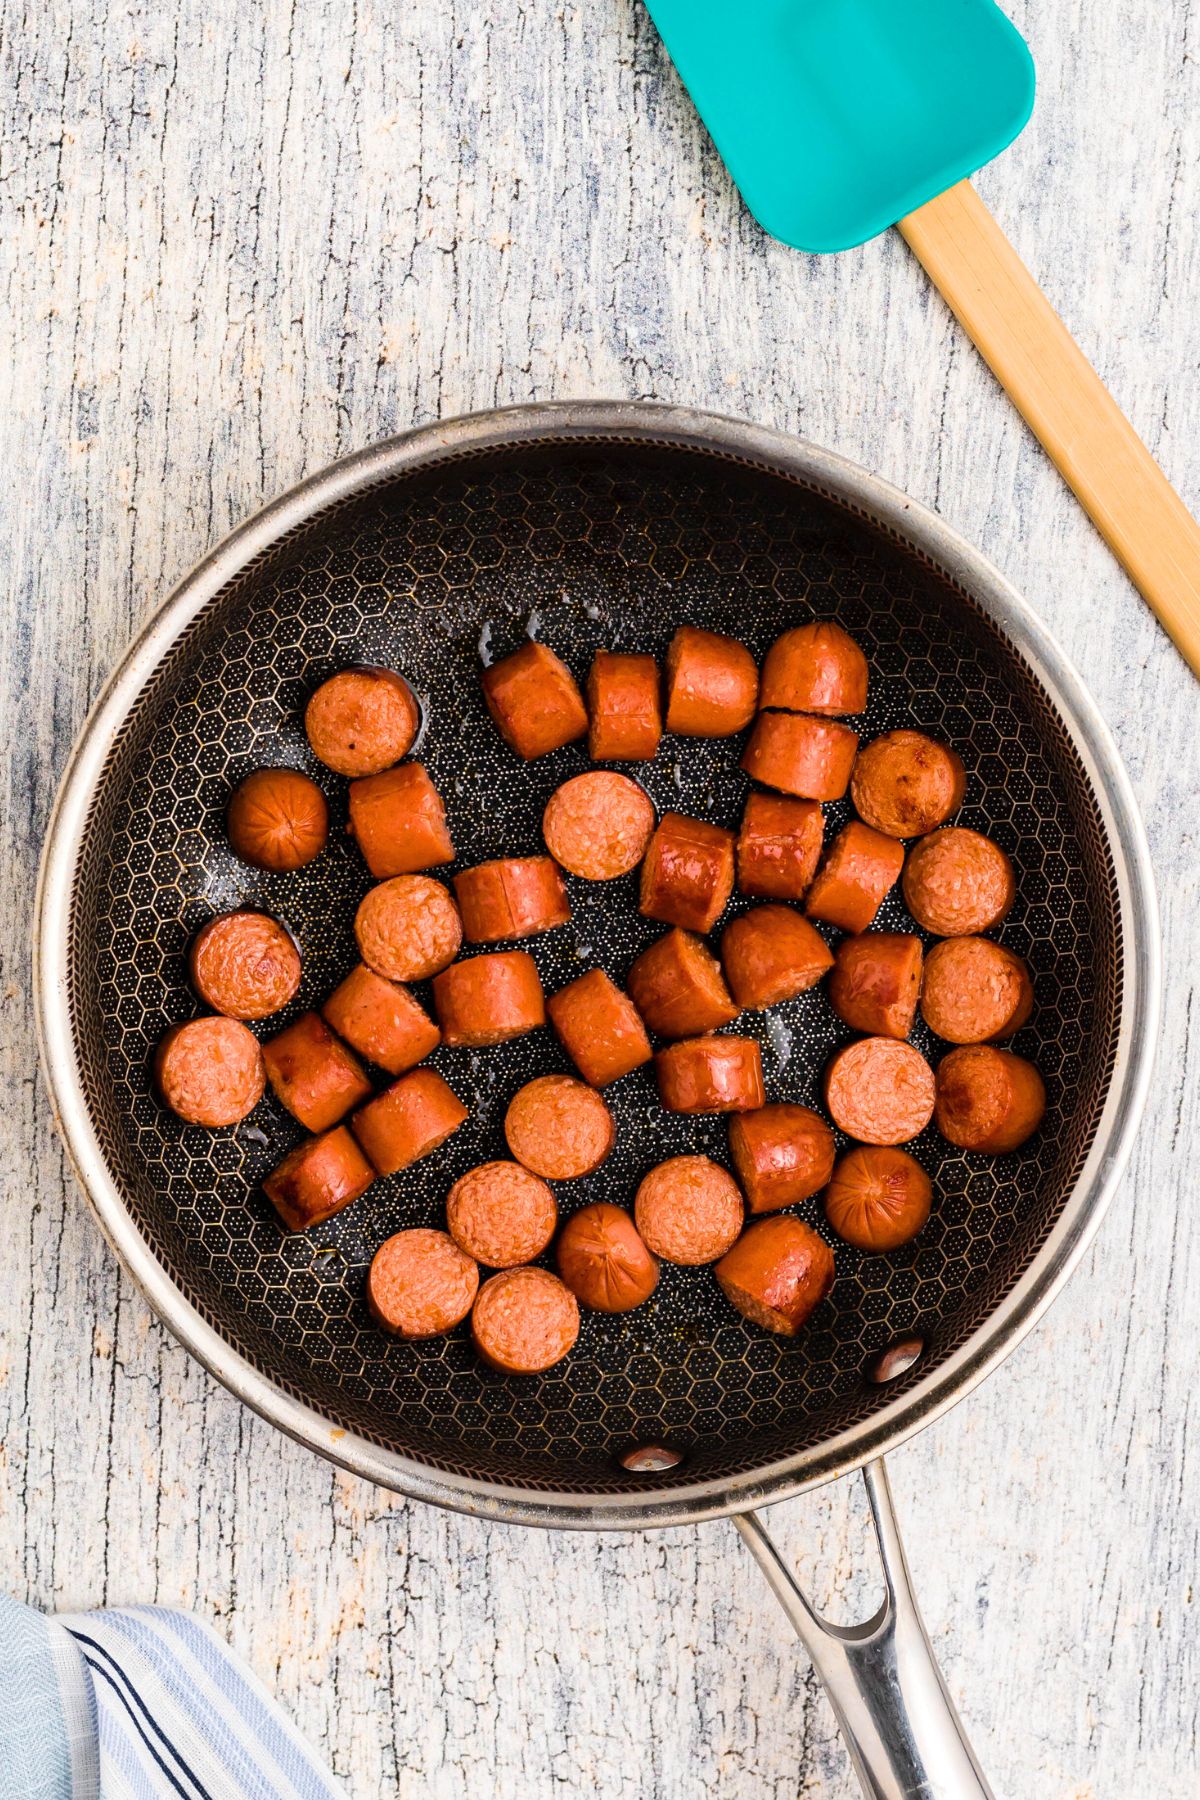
(650, 1459)
(896, 1360)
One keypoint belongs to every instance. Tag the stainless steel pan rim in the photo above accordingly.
(927, 1398)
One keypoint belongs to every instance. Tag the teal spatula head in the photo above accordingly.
(837, 117)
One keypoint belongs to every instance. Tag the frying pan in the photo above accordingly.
(593, 524)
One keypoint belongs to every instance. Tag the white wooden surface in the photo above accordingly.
(238, 239)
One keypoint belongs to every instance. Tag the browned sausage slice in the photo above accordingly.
(313, 1075)
(559, 1127)
(512, 897)
(525, 1321)
(958, 883)
(678, 988)
(860, 868)
(782, 1154)
(777, 1274)
(778, 846)
(687, 876)
(712, 684)
(381, 1020)
(408, 928)
(489, 999)
(688, 1210)
(599, 1028)
(710, 1075)
(501, 1214)
(533, 698)
(420, 1284)
(975, 991)
(770, 954)
(598, 825)
(988, 1100)
(318, 1178)
(623, 704)
(879, 1091)
(244, 965)
(810, 758)
(361, 721)
(905, 784)
(878, 1198)
(408, 1120)
(815, 668)
(398, 821)
(210, 1071)
(277, 819)
(604, 1262)
(875, 982)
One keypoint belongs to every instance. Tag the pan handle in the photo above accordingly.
(904, 1737)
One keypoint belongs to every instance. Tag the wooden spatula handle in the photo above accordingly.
(1065, 403)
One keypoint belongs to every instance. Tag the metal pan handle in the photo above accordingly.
(904, 1737)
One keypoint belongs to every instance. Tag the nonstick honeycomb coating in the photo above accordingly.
(581, 546)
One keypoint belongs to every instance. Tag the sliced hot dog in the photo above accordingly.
(313, 1075)
(489, 999)
(777, 1274)
(533, 698)
(501, 1214)
(878, 1198)
(361, 721)
(710, 1075)
(687, 876)
(598, 825)
(244, 965)
(559, 1127)
(905, 784)
(801, 755)
(778, 846)
(524, 1321)
(875, 982)
(624, 708)
(975, 991)
(688, 1210)
(408, 1120)
(210, 1071)
(988, 1099)
(958, 883)
(408, 928)
(712, 684)
(879, 1091)
(770, 954)
(782, 1154)
(277, 819)
(599, 1028)
(512, 897)
(860, 868)
(815, 668)
(318, 1178)
(381, 1020)
(678, 987)
(398, 822)
(604, 1262)
(420, 1284)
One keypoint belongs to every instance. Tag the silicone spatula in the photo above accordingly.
(838, 118)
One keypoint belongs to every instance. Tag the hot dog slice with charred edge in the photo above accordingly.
(420, 1284)
(512, 897)
(710, 1075)
(598, 825)
(408, 1120)
(878, 1199)
(801, 755)
(408, 928)
(879, 1091)
(987, 1099)
(604, 1262)
(815, 668)
(210, 1071)
(770, 954)
(777, 1274)
(277, 819)
(599, 1028)
(501, 1214)
(778, 846)
(318, 1178)
(712, 684)
(533, 698)
(624, 708)
(489, 999)
(398, 821)
(958, 883)
(875, 982)
(559, 1127)
(678, 987)
(524, 1321)
(859, 870)
(905, 784)
(381, 1020)
(688, 1210)
(245, 965)
(782, 1154)
(687, 876)
(361, 721)
(975, 991)
(313, 1075)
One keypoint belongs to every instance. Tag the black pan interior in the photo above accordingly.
(581, 546)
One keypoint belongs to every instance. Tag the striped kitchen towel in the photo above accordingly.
(139, 1703)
